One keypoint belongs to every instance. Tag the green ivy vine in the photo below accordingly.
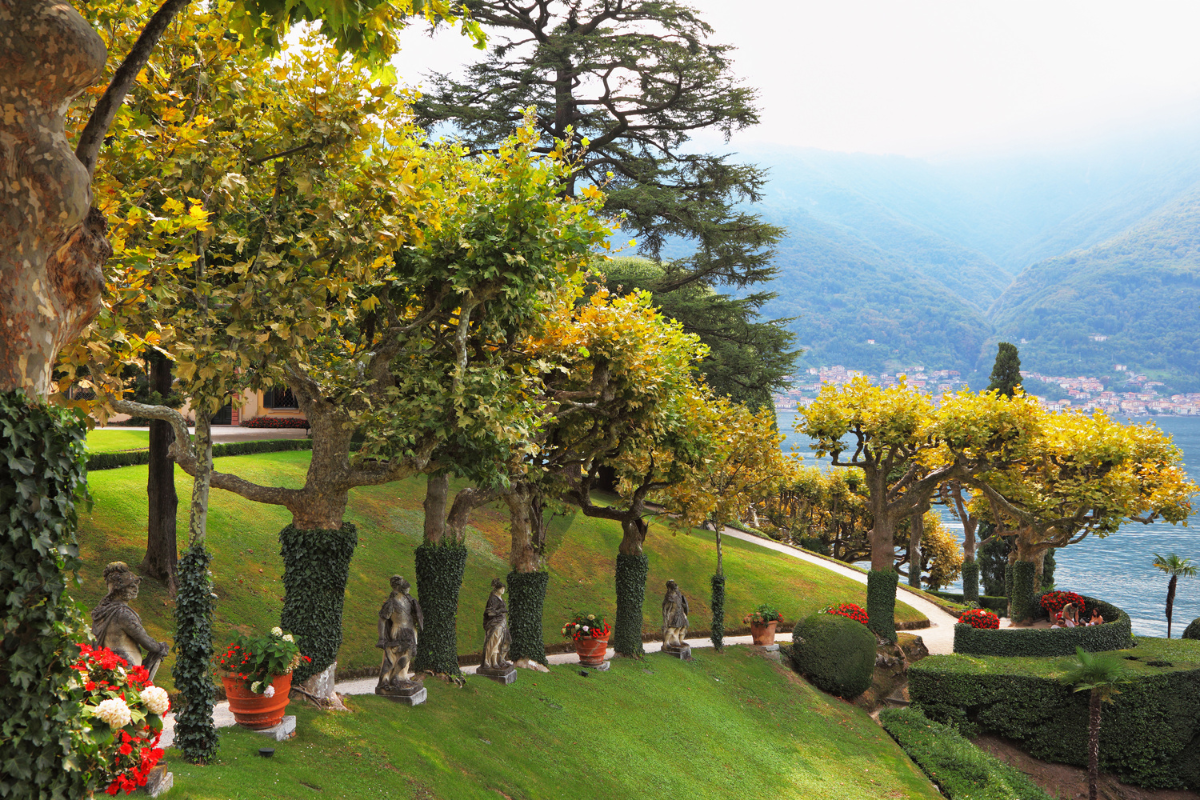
(718, 611)
(970, 581)
(881, 603)
(316, 566)
(195, 734)
(527, 594)
(440, 570)
(631, 593)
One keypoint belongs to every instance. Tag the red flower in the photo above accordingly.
(125, 749)
(90, 686)
(980, 618)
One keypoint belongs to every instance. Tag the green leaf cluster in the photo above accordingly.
(195, 734)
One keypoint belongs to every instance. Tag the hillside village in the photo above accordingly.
(1134, 395)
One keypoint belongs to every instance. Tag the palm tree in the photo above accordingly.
(1098, 673)
(1174, 566)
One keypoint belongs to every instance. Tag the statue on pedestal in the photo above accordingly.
(399, 619)
(119, 628)
(496, 637)
(675, 621)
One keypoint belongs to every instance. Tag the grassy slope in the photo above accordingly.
(111, 441)
(248, 571)
(729, 725)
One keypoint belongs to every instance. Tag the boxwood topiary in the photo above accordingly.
(881, 603)
(835, 653)
(1192, 631)
(440, 570)
(527, 595)
(632, 570)
(316, 565)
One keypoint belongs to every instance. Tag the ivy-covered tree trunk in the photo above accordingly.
(717, 634)
(441, 561)
(42, 472)
(881, 603)
(632, 568)
(316, 566)
(1021, 600)
(161, 549)
(970, 581)
(527, 581)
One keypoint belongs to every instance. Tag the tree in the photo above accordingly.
(1175, 568)
(1006, 372)
(162, 552)
(953, 497)
(634, 79)
(1098, 674)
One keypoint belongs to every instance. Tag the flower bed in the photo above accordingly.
(1113, 634)
(277, 422)
(980, 618)
(849, 611)
(126, 710)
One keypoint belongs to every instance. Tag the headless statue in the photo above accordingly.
(399, 619)
(119, 628)
(674, 615)
(496, 638)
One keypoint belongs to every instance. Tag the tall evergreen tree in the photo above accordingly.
(1006, 372)
(634, 79)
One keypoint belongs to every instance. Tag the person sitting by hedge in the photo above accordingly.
(1096, 618)
(1070, 615)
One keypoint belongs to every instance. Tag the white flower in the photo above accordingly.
(586, 629)
(155, 698)
(114, 712)
(256, 687)
(270, 692)
(277, 631)
(591, 616)
(287, 637)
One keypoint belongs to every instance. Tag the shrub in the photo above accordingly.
(835, 653)
(1114, 634)
(1192, 631)
(1055, 602)
(1150, 736)
(815, 544)
(849, 611)
(277, 422)
(999, 604)
(980, 618)
(959, 768)
(98, 461)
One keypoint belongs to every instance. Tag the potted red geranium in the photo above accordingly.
(258, 677)
(762, 621)
(590, 633)
(125, 711)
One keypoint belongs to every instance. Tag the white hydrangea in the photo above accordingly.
(277, 631)
(114, 712)
(156, 700)
(287, 637)
(270, 692)
(256, 687)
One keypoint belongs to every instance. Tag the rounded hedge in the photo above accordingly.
(1192, 631)
(835, 653)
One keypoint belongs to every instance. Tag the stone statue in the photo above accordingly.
(399, 619)
(119, 628)
(496, 638)
(675, 621)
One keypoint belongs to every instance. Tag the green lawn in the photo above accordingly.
(111, 440)
(247, 568)
(731, 725)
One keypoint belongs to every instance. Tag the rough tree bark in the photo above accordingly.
(52, 243)
(162, 553)
(916, 533)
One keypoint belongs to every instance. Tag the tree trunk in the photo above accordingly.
(1094, 745)
(198, 512)
(1171, 602)
(527, 582)
(526, 527)
(162, 553)
(914, 549)
(883, 539)
(437, 488)
(52, 243)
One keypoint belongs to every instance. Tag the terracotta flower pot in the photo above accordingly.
(591, 651)
(255, 711)
(763, 633)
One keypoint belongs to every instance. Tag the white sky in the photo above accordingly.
(927, 77)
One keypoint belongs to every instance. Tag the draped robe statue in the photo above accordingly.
(496, 638)
(399, 619)
(119, 628)
(674, 615)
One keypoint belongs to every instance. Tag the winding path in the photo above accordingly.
(939, 637)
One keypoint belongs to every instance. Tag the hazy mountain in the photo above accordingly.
(1139, 289)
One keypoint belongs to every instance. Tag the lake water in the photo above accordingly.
(1118, 568)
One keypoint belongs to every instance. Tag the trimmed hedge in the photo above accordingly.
(1192, 631)
(276, 422)
(1114, 634)
(527, 596)
(631, 594)
(98, 461)
(836, 653)
(881, 603)
(959, 769)
(996, 604)
(316, 566)
(440, 569)
(1149, 736)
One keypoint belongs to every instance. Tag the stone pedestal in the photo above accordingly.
(411, 693)
(603, 666)
(158, 780)
(286, 729)
(504, 675)
(682, 652)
